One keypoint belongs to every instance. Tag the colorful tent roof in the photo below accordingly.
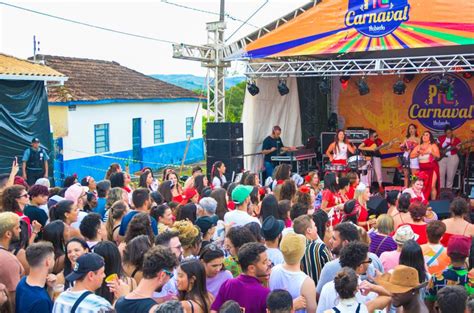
(343, 26)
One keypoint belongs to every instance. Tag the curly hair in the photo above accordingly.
(114, 195)
(189, 234)
(435, 230)
(417, 210)
(135, 250)
(158, 258)
(288, 190)
(304, 198)
(452, 299)
(9, 196)
(354, 254)
(38, 190)
(240, 236)
(139, 225)
(249, 254)
(346, 283)
(459, 207)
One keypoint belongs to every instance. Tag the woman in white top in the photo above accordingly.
(410, 164)
(217, 174)
(346, 284)
(337, 151)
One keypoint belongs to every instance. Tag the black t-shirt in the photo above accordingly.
(269, 143)
(124, 305)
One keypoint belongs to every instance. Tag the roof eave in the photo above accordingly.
(45, 78)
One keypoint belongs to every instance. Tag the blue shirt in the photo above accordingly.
(32, 299)
(26, 155)
(100, 208)
(127, 218)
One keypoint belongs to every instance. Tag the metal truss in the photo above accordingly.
(235, 49)
(193, 53)
(364, 67)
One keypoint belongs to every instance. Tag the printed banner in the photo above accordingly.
(422, 104)
(370, 25)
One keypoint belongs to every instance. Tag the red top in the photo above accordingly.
(363, 214)
(454, 142)
(445, 239)
(420, 230)
(329, 197)
(178, 198)
(231, 205)
(350, 193)
(368, 142)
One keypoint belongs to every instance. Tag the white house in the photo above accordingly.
(108, 113)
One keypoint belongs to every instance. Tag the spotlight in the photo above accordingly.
(344, 81)
(252, 88)
(324, 87)
(282, 88)
(443, 85)
(408, 78)
(467, 75)
(363, 87)
(399, 87)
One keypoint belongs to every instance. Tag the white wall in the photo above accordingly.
(80, 140)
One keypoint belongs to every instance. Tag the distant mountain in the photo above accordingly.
(194, 82)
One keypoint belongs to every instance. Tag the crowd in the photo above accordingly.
(296, 244)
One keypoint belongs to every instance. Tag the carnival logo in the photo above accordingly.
(376, 18)
(434, 109)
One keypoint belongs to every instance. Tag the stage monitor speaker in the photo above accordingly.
(326, 139)
(224, 130)
(224, 148)
(441, 208)
(233, 166)
(377, 205)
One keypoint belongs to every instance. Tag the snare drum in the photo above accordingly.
(356, 162)
(335, 167)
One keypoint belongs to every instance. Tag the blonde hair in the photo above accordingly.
(385, 224)
(364, 237)
(189, 234)
(8, 221)
(115, 194)
(358, 194)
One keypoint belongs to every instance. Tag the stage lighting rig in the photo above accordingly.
(283, 88)
(363, 87)
(408, 78)
(252, 88)
(324, 86)
(399, 87)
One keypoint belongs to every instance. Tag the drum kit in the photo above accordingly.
(358, 163)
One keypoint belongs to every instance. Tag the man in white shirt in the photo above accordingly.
(240, 216)
(355, 255)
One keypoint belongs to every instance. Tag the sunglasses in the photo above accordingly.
(367, 262)
(23, 196)
(170, 274)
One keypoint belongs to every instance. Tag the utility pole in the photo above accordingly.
(211, 56)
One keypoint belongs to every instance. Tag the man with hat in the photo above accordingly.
(404, 285)
(87, 275)
(35, 162)
(271, 230)
(455, 274)
(289, 275)
(240, 216)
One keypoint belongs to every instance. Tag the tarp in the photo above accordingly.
(23, 116)
(344, 26)
(265, 110)
(422, 104)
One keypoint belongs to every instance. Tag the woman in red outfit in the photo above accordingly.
(337, 151)
(456, 224)
(427, 153)
(361, 196)
(331, 203)
(417, 211)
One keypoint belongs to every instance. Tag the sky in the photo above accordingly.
(157, 19)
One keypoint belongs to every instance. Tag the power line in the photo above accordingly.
(248, 19)
(88, 25)
(208, 12)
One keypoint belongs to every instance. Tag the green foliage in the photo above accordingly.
(234, 102)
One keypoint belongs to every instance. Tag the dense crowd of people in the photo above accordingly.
(297, 244)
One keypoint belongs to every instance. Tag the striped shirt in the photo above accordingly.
(91, 304)
(381, 243)
(315, 257)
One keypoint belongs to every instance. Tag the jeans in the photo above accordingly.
(269, 169)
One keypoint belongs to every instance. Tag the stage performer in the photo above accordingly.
(416, 189)
(410, 164)
(374, 142)
(449, 162)
(337, 150)
(273, 146)
(427, 153)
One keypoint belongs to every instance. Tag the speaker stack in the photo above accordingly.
(224, 142)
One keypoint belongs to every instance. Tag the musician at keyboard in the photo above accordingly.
(273, 146)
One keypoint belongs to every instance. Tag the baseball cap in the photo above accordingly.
(240, 193)
(35, 140)
(206, 222)
(272, 227)
(459, 245)
(89, 262)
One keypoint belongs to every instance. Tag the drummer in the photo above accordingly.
(337, 150)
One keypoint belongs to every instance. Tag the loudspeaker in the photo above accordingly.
(224, 130)
(326, 139)
(441, 208)
(377, 205)
(233, 166)
(224, 148)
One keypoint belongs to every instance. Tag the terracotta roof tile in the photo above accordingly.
(91, 80)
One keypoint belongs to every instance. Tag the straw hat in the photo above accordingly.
(401, 280)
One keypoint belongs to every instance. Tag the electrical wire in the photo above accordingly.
(89, 25)
(248, 19)
(208, 12)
